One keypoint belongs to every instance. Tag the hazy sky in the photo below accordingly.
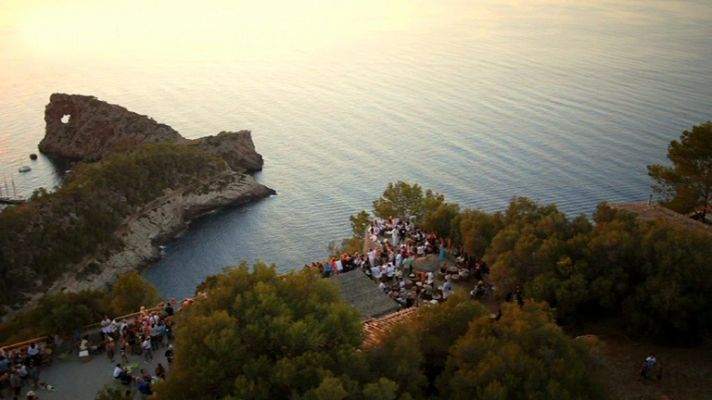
(142, 28)
(172, 29)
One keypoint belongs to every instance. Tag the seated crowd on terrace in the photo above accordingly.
(410, 265)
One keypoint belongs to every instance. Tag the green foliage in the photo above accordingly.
(524, 355)
(383, 389)
(329, 389)
(131, 292)
(259, 335)
(657, 273)
(398, 358)
(111, 392)
(455, 350)
(56, 313)
(338, 247)
(687, 184)
(402, 200)
(359, 224)
(440, 219)
(477, 229)
(40, 239)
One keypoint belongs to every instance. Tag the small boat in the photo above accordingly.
(25, 168)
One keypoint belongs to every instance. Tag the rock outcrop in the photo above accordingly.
(236, 148)
(86, 128)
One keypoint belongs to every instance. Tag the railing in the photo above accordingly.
(47, 339)
(25, 343)
(95, 325)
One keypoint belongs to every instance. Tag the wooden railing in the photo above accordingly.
(25, 343)
(95, 325)
(47, 339)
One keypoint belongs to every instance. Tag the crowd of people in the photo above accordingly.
(410, 265)
(20, 368)
(142, 336)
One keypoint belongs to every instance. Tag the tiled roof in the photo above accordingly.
(362, 293)
(376, 329)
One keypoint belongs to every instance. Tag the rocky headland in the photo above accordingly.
(84, 128)
(139, 184)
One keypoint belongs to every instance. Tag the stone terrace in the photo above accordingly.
(360, 291)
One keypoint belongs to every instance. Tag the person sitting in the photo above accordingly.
(144, 387)
(448, 289)
(390, 271)
(479, 290)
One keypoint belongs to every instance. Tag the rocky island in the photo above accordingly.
(137, 184)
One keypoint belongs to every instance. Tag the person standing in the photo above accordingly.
(15, 383)
(34, 374)
(147, 351)
(169, 355)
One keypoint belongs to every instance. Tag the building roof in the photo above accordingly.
(376, 329)
(362, 293)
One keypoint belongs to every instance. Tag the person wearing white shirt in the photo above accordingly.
(372, 257)
(399, 259)
(390, 271)
(117, 371)
(376, 272)
(447, 289)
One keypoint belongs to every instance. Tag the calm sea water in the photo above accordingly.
(560, 101)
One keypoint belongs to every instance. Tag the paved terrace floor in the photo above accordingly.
(362, 293)
(76, 380)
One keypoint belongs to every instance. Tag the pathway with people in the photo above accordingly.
(70, 378)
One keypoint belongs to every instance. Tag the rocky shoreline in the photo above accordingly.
(160, 221)
(83, 128)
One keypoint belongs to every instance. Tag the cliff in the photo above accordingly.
(142, 232)
(88, 129)
(110, 217)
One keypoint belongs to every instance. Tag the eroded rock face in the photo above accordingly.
(86, 128)
(236, 148)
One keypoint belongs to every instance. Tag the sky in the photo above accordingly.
(131, 28)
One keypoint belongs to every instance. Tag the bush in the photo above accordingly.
(131, 292)
(524, 355)
(56, 313)
(260, 335)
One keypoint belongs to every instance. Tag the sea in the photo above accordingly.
(564, 102)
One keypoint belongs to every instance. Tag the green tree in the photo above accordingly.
(477, 229)
(56, 313)
(359, 224)
(258, 335)
(403, 200)
(131, 292)
(524, 355)
(441, 219)
(383, 389)
(413, 354)
(687, 184)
